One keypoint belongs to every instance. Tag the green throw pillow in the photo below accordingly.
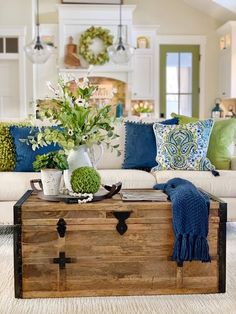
(7, 149)
(183, 147)
(221, 140)
(184, 119)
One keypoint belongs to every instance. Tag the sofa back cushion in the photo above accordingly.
(110, 159)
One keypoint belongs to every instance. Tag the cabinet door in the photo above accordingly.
(225, 73)
(143, 77)
(9, 89)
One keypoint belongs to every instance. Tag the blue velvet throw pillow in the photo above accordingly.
(25, 156)
(140, 145)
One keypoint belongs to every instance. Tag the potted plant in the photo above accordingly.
(51, 166)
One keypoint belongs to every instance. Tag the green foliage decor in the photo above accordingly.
(7, 149)
(85, 180)
(86, 40)
(52, 160)
(77, 121)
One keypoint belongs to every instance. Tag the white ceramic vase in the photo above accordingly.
(51, 179)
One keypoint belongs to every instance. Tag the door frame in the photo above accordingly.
(184, 40)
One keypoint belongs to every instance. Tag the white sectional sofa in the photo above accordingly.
(14, 184)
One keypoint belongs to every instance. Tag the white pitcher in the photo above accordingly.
(79, 157)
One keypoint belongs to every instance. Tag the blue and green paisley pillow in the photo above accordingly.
(183, 147)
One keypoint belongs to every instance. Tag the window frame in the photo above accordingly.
(195, 50)
(184, 40)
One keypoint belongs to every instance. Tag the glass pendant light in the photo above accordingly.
(37, 51)
(120, 52)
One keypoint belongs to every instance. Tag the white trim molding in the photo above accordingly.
(184, 40)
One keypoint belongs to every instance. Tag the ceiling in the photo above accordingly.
(222, 10)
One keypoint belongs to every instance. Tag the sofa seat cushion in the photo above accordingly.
(131, 179)
(222, 186)
(15, 184)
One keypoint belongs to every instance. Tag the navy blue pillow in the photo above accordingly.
(140, 145)
(25, 156)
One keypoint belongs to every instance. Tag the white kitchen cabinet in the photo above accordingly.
(227, 62)
(144, 63)
(142, 78)
(225, 73)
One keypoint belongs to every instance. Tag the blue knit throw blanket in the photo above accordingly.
(190, 210)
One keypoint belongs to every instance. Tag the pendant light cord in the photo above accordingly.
(38, 44)
(120, 15)
(120, 42)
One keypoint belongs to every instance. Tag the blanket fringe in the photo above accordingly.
(191, 247)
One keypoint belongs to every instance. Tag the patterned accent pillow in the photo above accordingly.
(183, 147)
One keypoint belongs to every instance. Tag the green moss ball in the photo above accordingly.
(85, 180)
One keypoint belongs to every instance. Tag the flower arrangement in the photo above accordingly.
(143, 107)
(77, 122)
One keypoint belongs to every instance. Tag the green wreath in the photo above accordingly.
(86, 40)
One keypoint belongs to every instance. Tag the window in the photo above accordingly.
(179, 80)
(8, 45)
(11, 45)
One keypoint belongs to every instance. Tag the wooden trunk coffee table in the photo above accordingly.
(108, 248)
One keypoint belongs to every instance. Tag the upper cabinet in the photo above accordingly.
(143, 78)
(227, 63)
(142, 87)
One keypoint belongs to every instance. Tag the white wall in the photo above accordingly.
(173, 16)
(18, 13)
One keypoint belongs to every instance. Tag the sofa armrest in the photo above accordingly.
(233, 163)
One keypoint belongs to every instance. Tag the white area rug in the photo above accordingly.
(214, 303)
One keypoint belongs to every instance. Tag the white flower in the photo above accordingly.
(84, 137)
(70, 132)
(50, 87)
(81, 102)
(85, 81)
